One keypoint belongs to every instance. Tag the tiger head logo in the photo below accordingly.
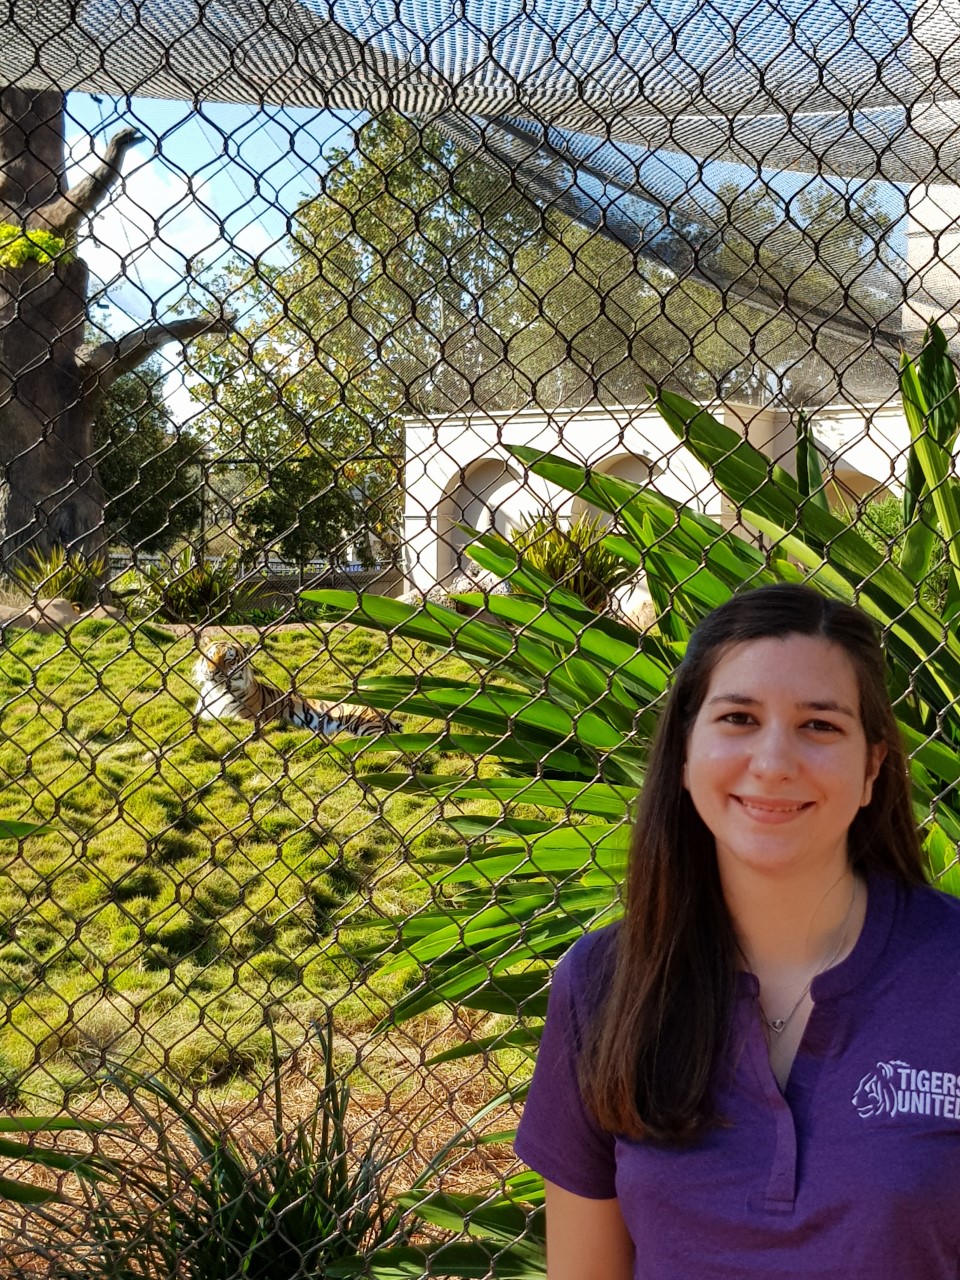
(876, 1094)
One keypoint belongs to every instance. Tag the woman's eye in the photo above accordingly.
(823, 726)
(737, 718)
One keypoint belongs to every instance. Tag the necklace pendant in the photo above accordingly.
(778, 1024)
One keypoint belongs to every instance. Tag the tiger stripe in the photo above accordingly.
(230, 689)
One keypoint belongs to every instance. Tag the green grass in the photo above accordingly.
(196, 875)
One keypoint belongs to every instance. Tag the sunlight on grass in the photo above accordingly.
(197, 875)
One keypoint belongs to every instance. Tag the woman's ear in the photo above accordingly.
(875, 758)
(683, 777)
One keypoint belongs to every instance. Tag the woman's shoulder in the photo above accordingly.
(585, 970)
(930, 915)
(592, 948)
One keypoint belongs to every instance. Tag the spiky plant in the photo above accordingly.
(203, 1205)
(576, 556)
(69, 574)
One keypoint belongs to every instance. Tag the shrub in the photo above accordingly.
(881, 523)
(72, 575)
(202, 1205)
(575, 556)
(191, 588)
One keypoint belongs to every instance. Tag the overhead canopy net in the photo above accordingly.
(861, 90)
(653, 125)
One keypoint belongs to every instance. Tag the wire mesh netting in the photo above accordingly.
(387, 390)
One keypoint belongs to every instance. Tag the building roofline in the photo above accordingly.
(742, 407)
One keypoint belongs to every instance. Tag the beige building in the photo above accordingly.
(459, 470)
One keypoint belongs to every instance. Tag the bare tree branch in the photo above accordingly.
(63, 214)
(105, 362)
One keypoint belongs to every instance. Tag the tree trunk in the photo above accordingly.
(49, 494)
(52, 381)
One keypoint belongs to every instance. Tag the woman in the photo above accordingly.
(758, 1071)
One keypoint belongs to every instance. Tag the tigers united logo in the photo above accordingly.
(876, 1093)
(895, 1088)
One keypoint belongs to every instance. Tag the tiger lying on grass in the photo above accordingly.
(230, 688)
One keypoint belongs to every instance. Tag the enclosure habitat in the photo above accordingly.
(458, 360)
(194, 877)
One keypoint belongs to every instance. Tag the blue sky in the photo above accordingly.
(201, 186)
(204, 186)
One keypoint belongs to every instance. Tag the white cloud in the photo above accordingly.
(156, 225)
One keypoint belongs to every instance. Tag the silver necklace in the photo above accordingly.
(777, 1025)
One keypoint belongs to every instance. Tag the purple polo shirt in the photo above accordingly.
(853, 1171)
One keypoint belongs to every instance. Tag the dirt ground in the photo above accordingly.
(416, 1112)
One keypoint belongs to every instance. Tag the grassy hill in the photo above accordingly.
(195, 876)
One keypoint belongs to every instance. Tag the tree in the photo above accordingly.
(421, 280)
(302, 511)
(151, 469)
(52, 379)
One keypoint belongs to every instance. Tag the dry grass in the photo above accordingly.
(14, 596)
(417, 1112)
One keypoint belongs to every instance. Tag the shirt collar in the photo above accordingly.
(882, 893)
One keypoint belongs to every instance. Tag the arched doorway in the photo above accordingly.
(489, 495)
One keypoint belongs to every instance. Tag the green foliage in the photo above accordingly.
(931, 501)
(422, 279)
(810, 480)
(576, 556)
(18, 246)
(150, 468)
(72, 575)
(203, 1205)
(558, 686)
(87, 1165)
(191, 588)
(302, 511)
(930, 383)
(193, 873)
(497, 1239)
(881, 524)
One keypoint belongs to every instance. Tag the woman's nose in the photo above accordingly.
(774, 753)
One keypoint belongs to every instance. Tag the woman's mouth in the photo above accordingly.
(772, 811)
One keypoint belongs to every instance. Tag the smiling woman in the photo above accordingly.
(777, 761)
(719, 1086)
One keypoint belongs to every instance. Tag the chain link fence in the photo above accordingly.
(386, 391)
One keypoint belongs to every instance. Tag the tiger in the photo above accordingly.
(229, 687)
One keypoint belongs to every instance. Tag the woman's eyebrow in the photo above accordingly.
(816, 704)
(827, 705)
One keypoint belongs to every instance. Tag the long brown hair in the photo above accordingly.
(649, 1057)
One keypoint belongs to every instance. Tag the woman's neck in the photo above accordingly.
(798, 922)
